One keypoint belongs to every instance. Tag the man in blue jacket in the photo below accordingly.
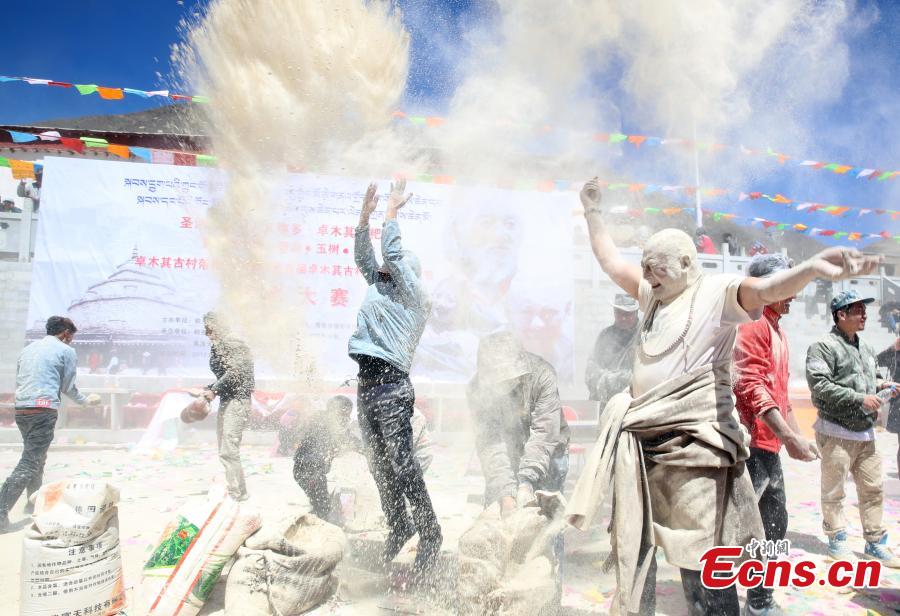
(46, 370)
(388, 327)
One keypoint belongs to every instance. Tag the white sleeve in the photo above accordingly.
(727, 286)
(645, 295)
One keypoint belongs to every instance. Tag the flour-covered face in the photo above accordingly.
(666, 276)
(669, 263)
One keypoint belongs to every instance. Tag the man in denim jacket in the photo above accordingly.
(46, 370)
(388, 327)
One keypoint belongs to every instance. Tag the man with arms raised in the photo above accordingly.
(677, 431)
(388, 328)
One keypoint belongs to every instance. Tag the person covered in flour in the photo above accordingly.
(389, 325)
(609, 367)
(521, 435)
(676, 427)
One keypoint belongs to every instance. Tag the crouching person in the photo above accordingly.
(325, 436)
(521, 435)
(329, 434)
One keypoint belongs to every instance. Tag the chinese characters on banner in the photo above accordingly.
(121, 250)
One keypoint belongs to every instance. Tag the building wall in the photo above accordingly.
(15, 285)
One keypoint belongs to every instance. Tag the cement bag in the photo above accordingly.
(355, 493)
(189, 557)
(508, 566)
(73, 511)
(527, 588)
(83, 579)
(286, 568)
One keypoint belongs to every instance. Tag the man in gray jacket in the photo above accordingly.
(521, 435)
(45, 371)
(231, 362)
(388, 327)
(608, 369)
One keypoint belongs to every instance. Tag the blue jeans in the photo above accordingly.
(385, 416)
(37, 434)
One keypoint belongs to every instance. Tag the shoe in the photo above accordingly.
(428, 552)
(838, 547)
(773, 609)
(395, 542)
(879, 551)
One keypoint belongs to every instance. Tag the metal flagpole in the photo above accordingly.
(697, 201)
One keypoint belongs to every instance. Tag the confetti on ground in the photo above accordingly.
(153, 485)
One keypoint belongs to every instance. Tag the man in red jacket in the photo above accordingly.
(761, 391)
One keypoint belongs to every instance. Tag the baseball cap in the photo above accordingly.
(625, 302)
(500, 358)
(845, 298)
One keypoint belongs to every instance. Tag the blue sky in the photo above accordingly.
(126, 44)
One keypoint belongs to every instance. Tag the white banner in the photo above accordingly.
(120, 250)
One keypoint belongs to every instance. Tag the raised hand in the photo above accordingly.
(841, 263)
(590, 194)
(370, 202)
(397, 198)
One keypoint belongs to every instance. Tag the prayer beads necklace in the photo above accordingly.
(648, 322)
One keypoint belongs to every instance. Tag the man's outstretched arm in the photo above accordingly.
(363, 253)
(831, 264)
(412, 291)
(623, 273)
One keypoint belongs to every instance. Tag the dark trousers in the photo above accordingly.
(37, 434)
(768, 483)
(701, 601)
(310, 472)
(385, 414)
